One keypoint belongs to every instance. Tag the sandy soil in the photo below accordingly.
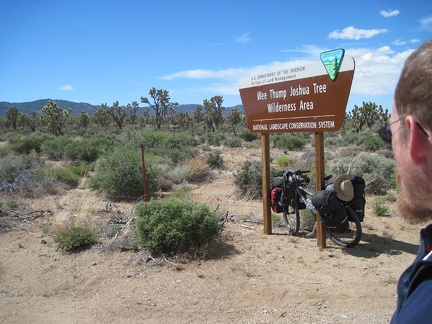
(249, 277)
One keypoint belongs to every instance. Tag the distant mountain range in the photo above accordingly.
(77, 107)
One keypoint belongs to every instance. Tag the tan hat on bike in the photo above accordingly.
(344, 188)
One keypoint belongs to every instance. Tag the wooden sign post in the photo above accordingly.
(304, 98)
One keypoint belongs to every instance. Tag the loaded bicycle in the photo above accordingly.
(335, 205)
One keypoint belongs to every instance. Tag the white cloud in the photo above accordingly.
(377, 70)
(389, 13)
(426, 23)
(399, 42)
(66, 87)
(355, 33)
(244, 38)
(204, 74)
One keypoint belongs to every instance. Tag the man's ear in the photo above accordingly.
(417, 141)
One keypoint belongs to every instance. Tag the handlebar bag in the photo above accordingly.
(331, 210)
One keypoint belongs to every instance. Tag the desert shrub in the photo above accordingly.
(285, 161)
(248, 136)
(24, 175)
(4, 151)
(348, 151)
(26, 143)
(82, 150)
(366, 140)
(89, 149)
(215, 138)
(193, 169)
(119, 174)
(182, 190)
(67, 175)
(54, 148)
(215, 160)
(174, 146)
(233, 142)
(334, 141)
(249, 179)
(289, 141)
(170, 226)
(73, 237)
(378, 171)
(379, 208)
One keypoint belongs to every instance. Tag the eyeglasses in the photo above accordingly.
(386, 134)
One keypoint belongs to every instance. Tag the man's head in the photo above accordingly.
(411, 128)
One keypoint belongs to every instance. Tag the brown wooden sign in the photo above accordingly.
(297, 99)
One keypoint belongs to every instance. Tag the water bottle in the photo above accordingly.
(310, 206)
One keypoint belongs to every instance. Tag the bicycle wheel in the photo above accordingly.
(291, 217)
(350, 237)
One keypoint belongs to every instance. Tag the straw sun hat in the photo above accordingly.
(344, 188)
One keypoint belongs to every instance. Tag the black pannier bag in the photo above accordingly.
(331, 209)
(290, 194)
(359, 200)
(276, 199)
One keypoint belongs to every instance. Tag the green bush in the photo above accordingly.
(233, 142)
(67, 175)
(119, 174)
(215, 139)
(170, 226)
(289, 141)
(285, 161)
(177, 146)
(249, 179)
(379, 208)
(27, 143)
(248, 136)
(69, 239)
(88, 149)
(54, 148)
(367, 140)
(215, 160)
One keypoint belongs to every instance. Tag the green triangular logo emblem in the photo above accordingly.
(332, 61)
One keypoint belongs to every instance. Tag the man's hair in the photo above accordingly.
(413, 94)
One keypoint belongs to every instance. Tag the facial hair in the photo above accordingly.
(412, 215)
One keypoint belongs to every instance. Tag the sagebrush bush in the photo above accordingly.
(378, 171)
(73, 237)
(182, 190)
(25, 175)
(169, 226)
(249, 179)
(233, 142)
(193, 169)
(54, 149)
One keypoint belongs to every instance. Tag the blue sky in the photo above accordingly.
(104, 51)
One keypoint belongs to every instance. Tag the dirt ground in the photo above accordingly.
(249, 277)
